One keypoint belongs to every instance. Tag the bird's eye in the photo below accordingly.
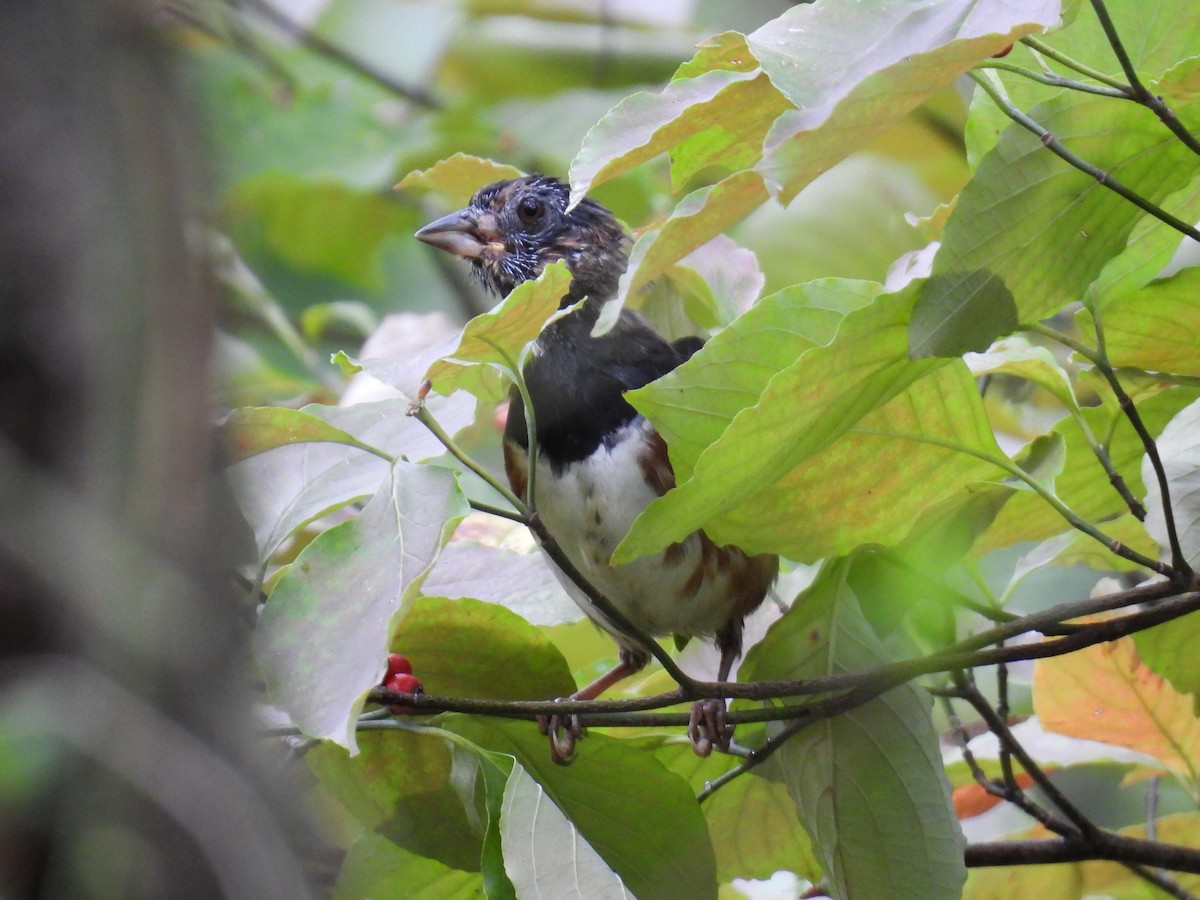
(530, 210)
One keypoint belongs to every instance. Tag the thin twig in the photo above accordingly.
(1180, 569)
(1087, 71)
(1165, 114)
(254, 53)
(500, 511)
(1056, 80)
(1052, 144)
(419, 412)
(1006, 766)
(1115, 478)
(340, 55)
(842, 691)
(1085, 826)
(1001, 462)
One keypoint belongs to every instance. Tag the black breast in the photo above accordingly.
(576, 383)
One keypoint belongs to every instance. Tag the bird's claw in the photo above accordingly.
(564, 732)
(708, 727)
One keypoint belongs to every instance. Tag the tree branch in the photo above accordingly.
(1052, 144)
(842, 691)
(1140, 93)
(1105, 845)
(1071, 63)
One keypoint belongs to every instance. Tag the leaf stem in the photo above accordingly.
(1052, 144)
(514, 515)
(1087, 71)
(1180, 569)
(1115, 478)
(419, 412)
(1061, 508)
(1056, 80)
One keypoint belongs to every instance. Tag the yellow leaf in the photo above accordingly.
(1106, 693)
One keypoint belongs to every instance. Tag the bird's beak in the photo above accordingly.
(457, 233)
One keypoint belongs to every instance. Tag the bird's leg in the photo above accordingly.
(564, 731)
(707, 727)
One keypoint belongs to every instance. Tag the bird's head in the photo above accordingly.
(511, 230)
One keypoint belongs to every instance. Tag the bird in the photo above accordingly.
(599, 461)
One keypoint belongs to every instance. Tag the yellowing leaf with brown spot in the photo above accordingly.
(1106, 693)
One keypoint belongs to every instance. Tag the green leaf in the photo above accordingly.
(752, 820)
(710, 114)
(257, 124)
(1083, 486)
(392, 769)
(323, 636)
(787, 452)
(692, 405)
(869, 785)
(726, 114)
(719, 281)
(497, 338)
(544, 853)
(1179, 450)
(719, 109)
(1170, 650)
(469, 648)
(960, 312)
(498, 772)
(1031, 231)
(283, 490)
(318, 228)
(1156, 328)
(248, 432)
(519, 581)
(1017, 357)
(378, 868)
(648, 828)
(1164, 33)
(458, 177)
(891, 56)
(1043, 460)
(698, 218)
(1151, 246)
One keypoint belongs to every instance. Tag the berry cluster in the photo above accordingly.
(399, 677)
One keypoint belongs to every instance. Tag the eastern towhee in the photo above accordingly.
(600, 463)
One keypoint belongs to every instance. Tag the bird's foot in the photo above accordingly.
(564, 732)
(708, 727)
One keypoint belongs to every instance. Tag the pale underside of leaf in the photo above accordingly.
(323, 635)
(544, 854)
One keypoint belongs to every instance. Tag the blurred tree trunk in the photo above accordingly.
(126, 744)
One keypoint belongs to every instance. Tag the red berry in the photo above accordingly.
(1003, 53)
(406, 683)
(397, 663)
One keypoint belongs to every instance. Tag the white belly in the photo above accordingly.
(589, 508)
